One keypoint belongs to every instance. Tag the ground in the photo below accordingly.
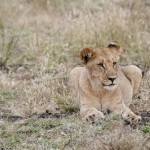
(39, 45)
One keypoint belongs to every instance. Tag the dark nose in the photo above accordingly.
(112, 78)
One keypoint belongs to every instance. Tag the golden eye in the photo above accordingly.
(101, 65)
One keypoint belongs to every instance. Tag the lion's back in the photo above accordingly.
(74, 79)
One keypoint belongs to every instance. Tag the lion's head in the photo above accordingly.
(101, 64)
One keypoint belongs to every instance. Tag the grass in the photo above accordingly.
(39, 45)
(146, 128)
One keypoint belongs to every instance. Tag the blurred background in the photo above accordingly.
(46, 27)
(39, 45)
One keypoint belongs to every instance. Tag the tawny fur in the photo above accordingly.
(104, 86)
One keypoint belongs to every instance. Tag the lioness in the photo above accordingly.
(102, 85)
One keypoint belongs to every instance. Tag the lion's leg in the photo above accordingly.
(134, 74)
(91, 114)
(127, 115)
(119, 107)
(90, 109)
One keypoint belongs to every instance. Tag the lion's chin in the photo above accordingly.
(110, 87)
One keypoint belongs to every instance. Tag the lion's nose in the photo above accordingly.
(111, 78)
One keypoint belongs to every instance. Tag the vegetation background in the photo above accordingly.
(39, 45)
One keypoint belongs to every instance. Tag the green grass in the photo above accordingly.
(146, 128)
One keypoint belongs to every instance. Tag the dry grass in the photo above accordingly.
(39, 44)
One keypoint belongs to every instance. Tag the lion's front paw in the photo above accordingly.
(94, 117)
(131, 118)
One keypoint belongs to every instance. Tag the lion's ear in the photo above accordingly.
(115, 47)
(87, 54)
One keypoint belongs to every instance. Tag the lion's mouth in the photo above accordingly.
(109, 84)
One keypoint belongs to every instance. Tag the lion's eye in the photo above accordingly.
(114, 63)
(101, 65)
